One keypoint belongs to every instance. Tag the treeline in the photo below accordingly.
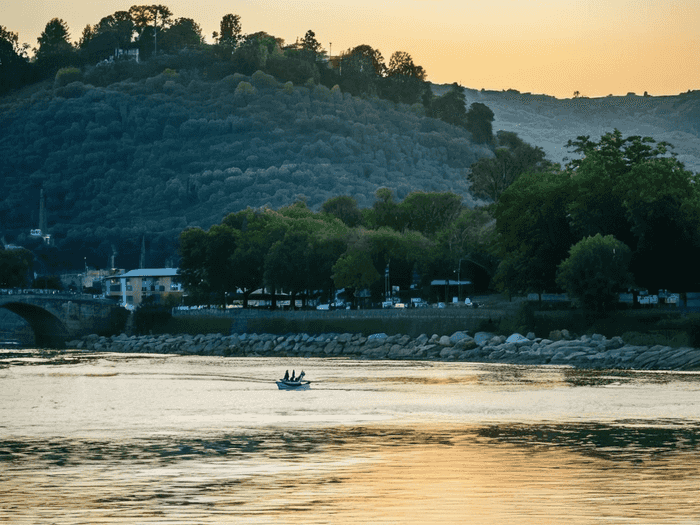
(625, 215)
(153, 29)
(311, 254)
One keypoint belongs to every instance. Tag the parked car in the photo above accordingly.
(323, 307)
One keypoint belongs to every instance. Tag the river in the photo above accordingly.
(118, 438)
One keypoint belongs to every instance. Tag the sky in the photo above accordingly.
(554, 47)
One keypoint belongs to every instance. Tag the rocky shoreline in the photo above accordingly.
(595, 352)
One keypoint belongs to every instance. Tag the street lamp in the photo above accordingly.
(387, 282)
(459, 279)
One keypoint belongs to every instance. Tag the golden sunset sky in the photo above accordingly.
(555, 47)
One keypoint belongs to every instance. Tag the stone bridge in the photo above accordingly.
(57, 317)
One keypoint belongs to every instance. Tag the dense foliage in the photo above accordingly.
(631, 189)
(595, 271)
(153, 155)
(490, 176)
(304, 253)
(15, 268)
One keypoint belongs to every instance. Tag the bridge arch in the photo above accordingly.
(49, 330)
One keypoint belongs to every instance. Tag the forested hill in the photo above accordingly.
(156, 155)
(549, 123)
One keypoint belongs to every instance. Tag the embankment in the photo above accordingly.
(560, 348)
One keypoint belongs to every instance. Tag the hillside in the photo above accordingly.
(148, 157)
(549, 122)
(153, 156)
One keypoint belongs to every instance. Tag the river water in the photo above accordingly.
(119, 438)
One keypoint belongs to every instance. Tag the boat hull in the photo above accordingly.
(293, 385)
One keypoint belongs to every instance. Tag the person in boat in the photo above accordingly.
(286, 375)
(293, 374)
(301, 376)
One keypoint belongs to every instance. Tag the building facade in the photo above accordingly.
(132, 288)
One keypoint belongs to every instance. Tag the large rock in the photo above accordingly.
(457, 337)
(516, 338)
(482, 338)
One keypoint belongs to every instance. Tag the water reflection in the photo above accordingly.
(366, 474)
(124, 439)
(627, 440)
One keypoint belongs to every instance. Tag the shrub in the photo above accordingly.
(596, 269)
(66, 75)
(148, 317)
(244, 88)
(263, 80)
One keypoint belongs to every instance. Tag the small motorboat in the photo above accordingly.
(293, 385)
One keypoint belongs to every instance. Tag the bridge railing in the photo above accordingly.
(48, 291)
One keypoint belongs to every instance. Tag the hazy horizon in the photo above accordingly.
(556, 47)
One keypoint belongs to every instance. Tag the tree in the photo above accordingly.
(479, 119)
(120, 24)
(14, 65)
(355, 270)
(345, 208)
(596, 270)
(289, 263)
(184, 32)
(312, 46)
(404, 80)
(386, 212)
(534, 233)
(491, 176)
(360, 69)
(230, 34)
(470, 240)
(252, 53)
(221, 243)
(428, 212)
(15, 268)
(86, 36)
(148, 21)
(54, 47)
(636, 190)
(662, 206)
(450, 107)
(259, 230)
(193, 260)
(600, 181)
(9, 40)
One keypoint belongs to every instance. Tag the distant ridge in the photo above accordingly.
(548, 122)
